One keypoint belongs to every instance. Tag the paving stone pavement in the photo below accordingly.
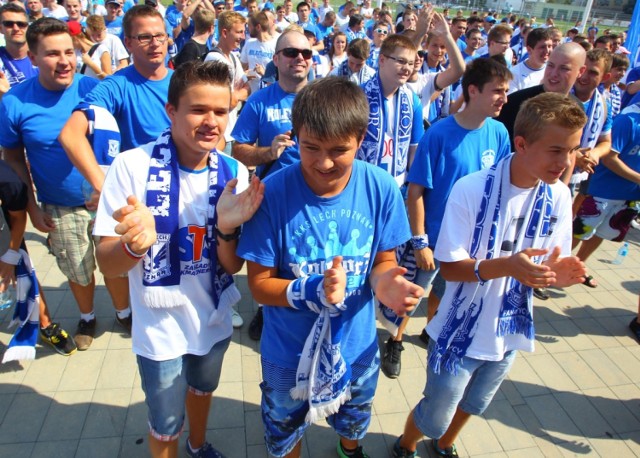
(577, 395)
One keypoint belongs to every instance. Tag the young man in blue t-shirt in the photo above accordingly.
(450, 149)
(33, 114)
(317, 253)
(15, 65)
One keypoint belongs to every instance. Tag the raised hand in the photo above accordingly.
(280, 143)
(335, 282)
(236, 209)
(396, 292)
(136, 225)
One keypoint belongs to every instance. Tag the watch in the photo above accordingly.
(229, 237)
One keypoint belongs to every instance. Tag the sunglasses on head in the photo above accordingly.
(292, 53)
(20, 24)
(382, 31)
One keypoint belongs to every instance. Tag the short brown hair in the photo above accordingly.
(396, 41)
(546, 109)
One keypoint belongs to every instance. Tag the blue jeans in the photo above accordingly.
(165, 385)
(472, 390)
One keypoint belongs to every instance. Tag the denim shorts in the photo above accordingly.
(165, 385)
(284, 417)
(472, 389)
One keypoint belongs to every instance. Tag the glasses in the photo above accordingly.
(382, 31)
(503, 42)
(400, 61)
(146, 38)
(20, 24)
(292, 53)
(422, 54)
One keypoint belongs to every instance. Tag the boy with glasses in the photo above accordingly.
(381, 31)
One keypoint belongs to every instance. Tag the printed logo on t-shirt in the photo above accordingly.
(278, 114)
(317, 240)
(488, 158)
(194, 250)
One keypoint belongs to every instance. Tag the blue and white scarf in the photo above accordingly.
(103, 133)
(161, 264)
(26, 314)
(360, 77)
(596, 116)
(516, 311)
(405, 257)
(323, 377)
(372, 147)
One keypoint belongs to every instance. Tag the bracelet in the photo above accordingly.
(11, 257)
(476, 270)
(133, 255)
(418, 242)
(235, 235)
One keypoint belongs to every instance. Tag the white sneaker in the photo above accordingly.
(236, 319)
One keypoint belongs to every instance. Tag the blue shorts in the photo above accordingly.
(284, 417)
(471, 390)
(165, 385)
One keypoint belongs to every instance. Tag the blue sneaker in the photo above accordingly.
(206, 451)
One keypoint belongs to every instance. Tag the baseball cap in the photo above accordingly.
(153, 3)
(74, 28)
(490, 19)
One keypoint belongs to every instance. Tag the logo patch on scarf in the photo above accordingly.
(157, 262)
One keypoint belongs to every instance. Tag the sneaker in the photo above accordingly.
(541, 293)
(255, 327)
(236, 319)
(391, 358)
(84, 334)
(357, 453)
(450, 452)
(635, 328)
(206, 451)
(58, 338)
(126, 323)
(401, 452)
(424, 337)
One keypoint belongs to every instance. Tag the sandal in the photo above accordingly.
(450, 452)
(589, 281)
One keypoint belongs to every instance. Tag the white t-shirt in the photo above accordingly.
(424, 87)
(255, 52)
(455, 239)
(166, 333)
(524, 77)
(116, 49)
(95, 58)
(237, 74)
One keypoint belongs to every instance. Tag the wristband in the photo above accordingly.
(476, 270)
(418, 242)
(11, 257)
(229, 237)
(129, 252)
(308, 292)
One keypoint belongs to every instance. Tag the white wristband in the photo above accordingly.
(11, 257)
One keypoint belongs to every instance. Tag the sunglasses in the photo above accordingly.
(20, 24)
(292, 53)
(382, 31)
(422, 54)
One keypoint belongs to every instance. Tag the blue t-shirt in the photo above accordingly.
(115, 27)
(633, 75)
(137, 104)
(448, 152)
(625, 139)
(173, 17)
(266, 114)
(33, 117)
(299, 233)
(18, 70)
